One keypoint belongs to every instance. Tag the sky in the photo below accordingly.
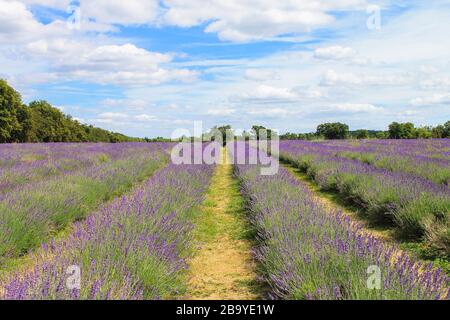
(147, 68)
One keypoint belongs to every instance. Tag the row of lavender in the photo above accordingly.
(431, 148)
(21, 164)
(41, 204)
(307, 251)
(133, 248)
(416, 207)
(429, 159)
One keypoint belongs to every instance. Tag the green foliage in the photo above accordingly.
(333, 131)
(213, 134)
(299, 136)
(224, 130)
(447, 130)
(438, 132)
(424, 133)
(401, 130)
(10, 109)
(441, 131)
(426, 216)
(408, 131)
(259, 130)
(157, 139)
(396, 131)
(361, 134)
(382, 135)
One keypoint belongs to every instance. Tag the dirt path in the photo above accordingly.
(222, 267)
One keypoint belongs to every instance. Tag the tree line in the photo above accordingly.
(41, 122)
(337, 130)
(330, 131)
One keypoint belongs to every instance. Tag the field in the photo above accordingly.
(341, 220)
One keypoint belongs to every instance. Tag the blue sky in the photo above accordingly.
(148, 67)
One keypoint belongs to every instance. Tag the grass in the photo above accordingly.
(223, 267)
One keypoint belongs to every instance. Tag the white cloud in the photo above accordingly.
(221, 111)
(240, 21)
(107, 64)
(339, 53)
(334, 53)
(182, 121)
(113, 116)
(18, 25)
(437, 83)
(436, 99)
(408, 113)
(428, 69)
(121, 118)
(57, 53)
(87, 55)
(129, 104)
(271, 112)
(334, 78)
(104, 12)
(355, 107)
(308, 92)
(265, 92)
(57, 4)
(145, 118)
(260, 74)
(233, 20)
(419, 36)
(130, 12)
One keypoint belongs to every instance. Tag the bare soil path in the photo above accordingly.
(222, 266)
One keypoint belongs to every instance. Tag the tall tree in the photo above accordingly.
(438, 132)
(49, 123)
(446, 130)
(362, 134)
(402, 130)
(10, 106)
(333, 131)
(224, 130)
(258, 130)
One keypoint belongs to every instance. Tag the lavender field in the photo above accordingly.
(123, 222)
(308, 250)
(403, 184)
(222, 158)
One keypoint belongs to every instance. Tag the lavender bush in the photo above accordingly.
(41, 207)
(307, 251)
(416, 206)
(133, 248)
